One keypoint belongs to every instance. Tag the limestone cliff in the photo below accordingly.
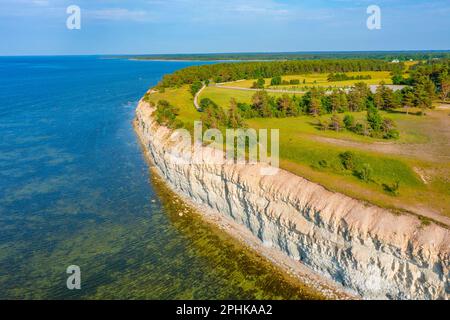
(368, 250)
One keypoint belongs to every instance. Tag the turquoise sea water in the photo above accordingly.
(75, 190)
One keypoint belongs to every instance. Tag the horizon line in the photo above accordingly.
(231, 53)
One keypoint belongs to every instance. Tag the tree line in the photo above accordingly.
(344, 77)
(224, 72)
(318, 102)
(426, 81)
(432, 76)
(379, 55)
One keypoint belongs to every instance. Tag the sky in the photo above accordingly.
(38, 27)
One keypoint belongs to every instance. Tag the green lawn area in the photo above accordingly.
(223, 96)
(181, 98)
(304, 151)
(304, 155)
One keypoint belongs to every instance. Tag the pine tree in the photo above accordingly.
(314, 106)
(234, 118)
(408, 100)
(379, 96)
(389, 99)
(261, 104)
(343, 102)
(374, 119)
(422, 96)
(285, 105)
(445, 88)
(336, 122)
(335, 101)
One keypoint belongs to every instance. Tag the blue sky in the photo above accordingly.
(30, 27)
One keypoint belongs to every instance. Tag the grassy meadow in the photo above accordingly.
(418, 160)
(319, 80)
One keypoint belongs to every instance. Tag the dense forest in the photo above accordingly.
(224, 72)
(315, 102)
(379, 55)
(426, 81)
(435, 71)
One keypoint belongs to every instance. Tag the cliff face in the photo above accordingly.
(368, 250)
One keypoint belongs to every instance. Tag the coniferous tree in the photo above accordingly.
(261, 104)
(285, 106)
(445, 88)
(314, 107)
(343, 102)
(423, 93)
(336, 122)
(234, 118)
(349, 122)
(374, 119)
(408, 100)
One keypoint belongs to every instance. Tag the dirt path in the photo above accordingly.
(196, 104)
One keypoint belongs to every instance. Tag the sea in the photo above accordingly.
(75, 190)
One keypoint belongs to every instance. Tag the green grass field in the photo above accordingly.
(418, 160)
(319, 79)
(222, 96)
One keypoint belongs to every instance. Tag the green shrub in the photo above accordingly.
(374, 119)
(365, 172)
(195, 87)
(213, 116)
(393, 188)
(246, 110)
(206, 103)
(166, 115)
(392, 134)
(259, 84)
(361, 129)
(323, 163)
(389, 130)
(425, 221)
(349, 122)
(323, 125)
(276, 81)
(336, 123)
(348, 160)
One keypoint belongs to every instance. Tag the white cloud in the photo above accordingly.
(41, 2)
(117, 14)
(244, 8)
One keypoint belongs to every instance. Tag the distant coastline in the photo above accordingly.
(188, 60)
(270, 56)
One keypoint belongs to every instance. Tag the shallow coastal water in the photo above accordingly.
(75, 189)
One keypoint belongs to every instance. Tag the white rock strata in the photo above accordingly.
(367, 249)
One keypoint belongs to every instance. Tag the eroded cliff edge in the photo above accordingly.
(368, 250)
